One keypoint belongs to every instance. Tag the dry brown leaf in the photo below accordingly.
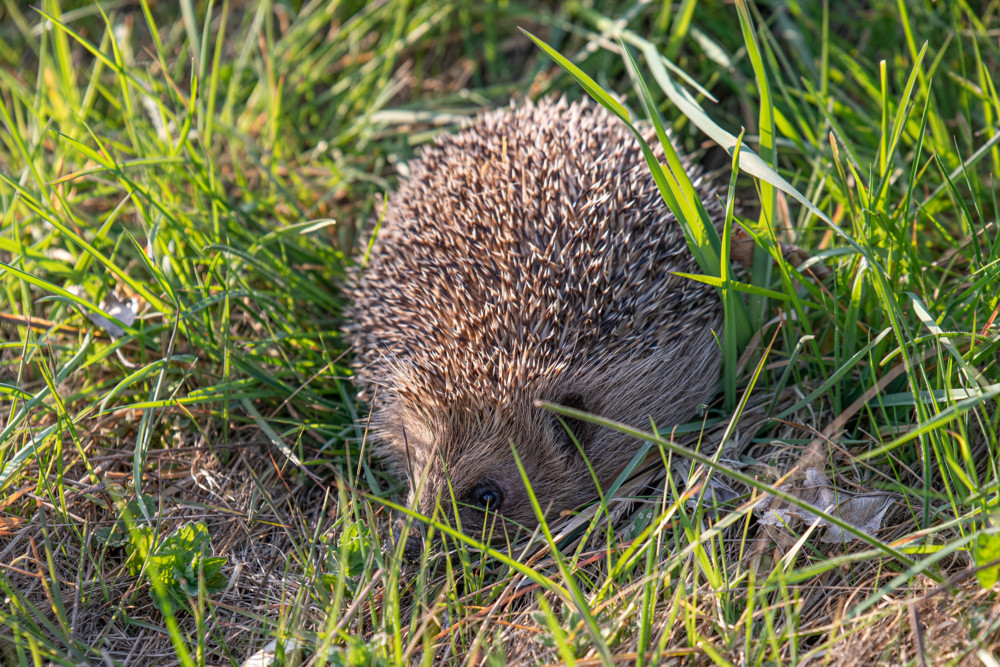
(9, 524)
(864, 511)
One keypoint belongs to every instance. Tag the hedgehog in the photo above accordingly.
(528, 258)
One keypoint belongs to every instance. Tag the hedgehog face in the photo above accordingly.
(470, 477)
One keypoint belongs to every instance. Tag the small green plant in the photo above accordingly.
(358, 653)
(117, 534)
(347, 562)
(986, 553)
(179, 565)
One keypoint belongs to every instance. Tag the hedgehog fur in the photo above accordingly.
(528, 258)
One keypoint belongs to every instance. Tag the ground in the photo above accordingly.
(184, 472)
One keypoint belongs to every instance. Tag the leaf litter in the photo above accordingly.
(864, 511)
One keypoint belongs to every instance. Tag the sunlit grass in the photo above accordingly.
(222, 163)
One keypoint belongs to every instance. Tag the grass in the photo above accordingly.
(197, 488)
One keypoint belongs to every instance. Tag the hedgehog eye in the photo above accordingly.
(578, 427)
(488, 497)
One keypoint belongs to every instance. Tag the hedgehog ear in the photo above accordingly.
(578, 427)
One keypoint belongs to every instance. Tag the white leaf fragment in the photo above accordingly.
(268, 656)
(864, 511)
(124, 311)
